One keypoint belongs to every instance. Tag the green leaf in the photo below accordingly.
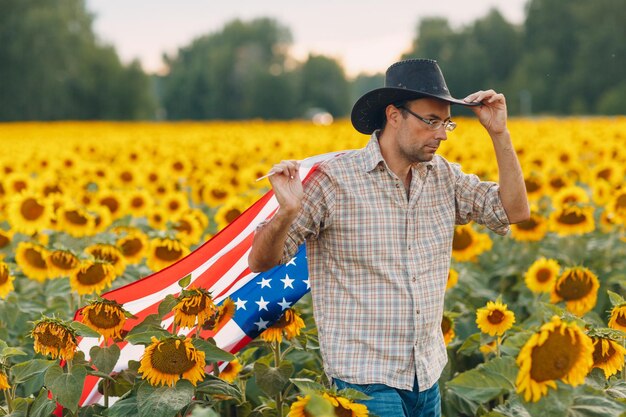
(84, 330)
(66, 387)
(163, 401)
(42, 406)
(615, 298)
(595, 406)
(24, 371)
(20, 407)
(213, 385)
(126, 407)
(272, 380)
(11, 351)
(105, 358)
(353, 395)
(486, 381)
(183, 283)
(320, 407)
(145, 336)
(167, 305)
(306, 385)
(470, 345)
(211, 351)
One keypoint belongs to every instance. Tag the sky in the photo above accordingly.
(364, 35)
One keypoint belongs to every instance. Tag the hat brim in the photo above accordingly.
(368, 111)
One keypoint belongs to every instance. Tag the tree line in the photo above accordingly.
(567, 57)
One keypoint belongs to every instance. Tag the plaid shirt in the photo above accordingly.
(379, 261)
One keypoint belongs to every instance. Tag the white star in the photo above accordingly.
(241, 304)
(284, 304)
(287, 281)
(291, 262)
(306, 281)
(262, 304)
(261, 324)
(265, 282)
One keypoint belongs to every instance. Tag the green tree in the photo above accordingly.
(323, 85)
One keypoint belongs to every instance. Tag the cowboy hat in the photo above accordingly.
(405, 80)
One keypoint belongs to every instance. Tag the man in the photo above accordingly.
(378, 223)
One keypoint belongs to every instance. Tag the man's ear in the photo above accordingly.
(393, 115)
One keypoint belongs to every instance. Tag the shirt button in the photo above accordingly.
(417, 311)
(414, 279)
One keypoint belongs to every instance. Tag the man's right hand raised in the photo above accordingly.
(287, 187)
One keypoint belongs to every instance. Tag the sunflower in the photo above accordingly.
(6, 236)
(495, 318)
(18, 182)
(31, 258)
(54, 337)
(92, 276)
(140, 202)
(617, 320)
(215, 194)
(571, 195)
(290, 322)
(166, 361)
(133, 246)
(4, 381)
(447, 328)
(195, 305)
(107, 317)
(453, 278)
(534, 186)
(542, 275)
(342, 406)
(75, 221)
(467, 244)
(230, 372)
(113, 201)
(228, 212)
(224, 313)
(102, 218)
(189, 229)
(617, 205)
(164, 252)
(532, 230)
(558, 351)
(578, 287)
(174, 204)
(608, 355)
(108, 253)
(157, 218)
(29, 213)
(572, 220)
(61, 263)
(6, 280)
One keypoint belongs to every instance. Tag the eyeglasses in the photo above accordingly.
(434, 124)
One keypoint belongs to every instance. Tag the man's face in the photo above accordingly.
(416, 140)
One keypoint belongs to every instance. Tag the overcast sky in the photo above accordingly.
(365, 35)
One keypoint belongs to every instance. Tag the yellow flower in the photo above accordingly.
(92, 276)
(467, 244)
(578, 287)
(106, 317)
(157, 218)
(29, 213)
(189, 229)
(108, 253)
(453, 278)
(133, 246)
(174, 204)
(164, 252)
(224, 313)
(572, 220)
(165, 362)
(113, 201)
(617, 320)
(532, 230)
(6, 236)
(4, 381)
(290, 322)
(230, 372)
(140, 202)
(617, 205)
(75, 221)
(608, 355)
(558, 351)
(6, 280)
(195, 305)
(534, 186)
(342, 406)
(542, 275)
(31, 258)
(495, 318)
(55, 338)
(568, 196)
(447, 328)
(61, 263)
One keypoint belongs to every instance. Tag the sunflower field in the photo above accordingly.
(534, 322)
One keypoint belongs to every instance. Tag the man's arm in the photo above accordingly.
(269, 240)
(492, 114)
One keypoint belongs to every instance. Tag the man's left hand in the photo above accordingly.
(492, 112)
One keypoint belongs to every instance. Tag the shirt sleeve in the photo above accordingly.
(479, 201)
(315, 215)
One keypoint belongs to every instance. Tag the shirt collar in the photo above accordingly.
(372, 157)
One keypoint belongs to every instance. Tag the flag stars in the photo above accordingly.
(284, 304)
(287, 281)
(265, 282)
(262, 304)
(306, 281)
(292, 262)
(261, 324)
(241, 304)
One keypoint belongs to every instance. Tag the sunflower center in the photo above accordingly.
(74, 217)
(131, 247)
(218, 194)
(193, 307)
(104, 319)
(105, 255)
(572, 217)
(462, 240)
(166, 254)
(174, 205)
(35, 258)
(574, 288)
(92, 275)
(31, 209)
(111, 203)
(621, 320)
(4, 274)
(554, 359)
(446, 325)
(183, 226)
(171, 359)
(4, 241)
(621, 201)
(530, 224)
(48, 339)
(532, 185)
(557, 183)
(495, 317)
(126, 177)
(543, 275)
(137, 202)
(342, 412)
(605, 174)
(232, 214)
(63, 260)
(598, 357)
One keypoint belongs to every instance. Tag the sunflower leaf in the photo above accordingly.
(42, 406)
(271, 379)
(24, 371)
(83, 330)
(213, 385)
(66, 387)
(306, 385)
(615, 298)
(486, 381)
(126, 407)
(105, 358)
(167, 305)
(163, 401)
(211, 351)
(184, 282)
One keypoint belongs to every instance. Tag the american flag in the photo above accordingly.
(221, 266)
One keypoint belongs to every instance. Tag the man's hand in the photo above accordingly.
(287, 186)
(492, 112)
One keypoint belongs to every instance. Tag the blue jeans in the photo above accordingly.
(392, 402)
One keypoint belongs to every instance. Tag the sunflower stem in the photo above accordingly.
(9, 400)
(279, 396)
(498, 347)
(624, 367)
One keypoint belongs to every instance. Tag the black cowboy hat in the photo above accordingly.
(404, 80)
